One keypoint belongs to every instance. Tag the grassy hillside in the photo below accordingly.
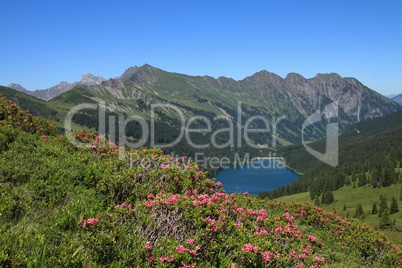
(62, 206)
(351, 197)
(36, 106)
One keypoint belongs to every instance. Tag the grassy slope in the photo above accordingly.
(36, 106)
(70, 207)
(366, 195)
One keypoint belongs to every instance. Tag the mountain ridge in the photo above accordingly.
(261, 94)
(51, 92)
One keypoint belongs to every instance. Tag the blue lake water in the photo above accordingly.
(255, 177)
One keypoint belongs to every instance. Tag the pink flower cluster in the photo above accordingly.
(165, 165)
(123, 205)
(312, 238)
(249, 247)
(319, 260)
(182, 249)
(159, 199)
(148, 245)
(90, 221)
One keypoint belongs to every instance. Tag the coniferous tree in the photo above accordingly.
(374, 209)
(330, 197)
(317, 201)
(386, 178)
(359, 211)
(400, 195)
(394, 206)
(383, 205)
(375, 176)
(347, 180)
(344, 207)
(327, 197)
(362, 180)
(353, 177)
(388, 173)
(385, 220)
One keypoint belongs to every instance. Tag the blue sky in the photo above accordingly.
(46, 42)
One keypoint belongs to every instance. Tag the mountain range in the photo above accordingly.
(263, 94)
(50, 93)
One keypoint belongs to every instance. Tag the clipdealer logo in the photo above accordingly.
(241, 129)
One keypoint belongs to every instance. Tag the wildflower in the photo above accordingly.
(312, 238)
(148, 245)
(90, 221)
(165, 165)
(190, 241)
(292, 255)
(181, 249)
(188, 266)
(249, 247)
(266, 256)
(163, 259)
(302, 256)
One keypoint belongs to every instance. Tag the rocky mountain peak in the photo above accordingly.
(265, 76)
(328, 77)
(136, 72)
(129, 73)
(17, 87)
(90, 79)
(295, 78)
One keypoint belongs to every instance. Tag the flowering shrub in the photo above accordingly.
(62, 206)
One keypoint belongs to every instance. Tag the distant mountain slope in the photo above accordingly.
(398, 99)
(27, 102)
(47, 94)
